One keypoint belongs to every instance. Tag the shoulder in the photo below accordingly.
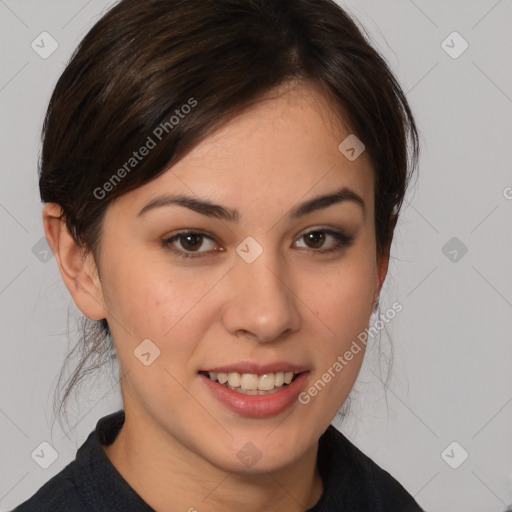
(355, 481)
(78, 486)
(60, 493)
(90, 482)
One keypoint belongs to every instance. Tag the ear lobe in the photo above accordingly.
(78, 272)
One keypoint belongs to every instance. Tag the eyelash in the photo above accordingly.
(343, 241)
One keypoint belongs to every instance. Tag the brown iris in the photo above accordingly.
(192, 241)
(316, 237)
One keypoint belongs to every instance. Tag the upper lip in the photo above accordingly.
(259, 369)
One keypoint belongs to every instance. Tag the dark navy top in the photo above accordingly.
(352, 482)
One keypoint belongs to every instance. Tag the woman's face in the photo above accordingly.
(267, 290)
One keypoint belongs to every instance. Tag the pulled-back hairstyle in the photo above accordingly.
(176, 70)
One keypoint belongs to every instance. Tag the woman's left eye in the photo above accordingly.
(191, 241)
(317, 237)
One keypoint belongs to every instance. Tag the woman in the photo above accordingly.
(221, 184)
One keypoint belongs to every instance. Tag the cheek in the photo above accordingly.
(343, 298)
(143, 301)
(156, 301)
(343, 306)
(139, 291)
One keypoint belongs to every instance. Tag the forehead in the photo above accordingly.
(284, 148)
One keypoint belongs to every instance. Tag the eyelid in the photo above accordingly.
(343, 240)
(167, 242)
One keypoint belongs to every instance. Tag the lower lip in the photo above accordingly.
(257, 406)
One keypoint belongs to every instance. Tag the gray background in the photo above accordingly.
(452, 378)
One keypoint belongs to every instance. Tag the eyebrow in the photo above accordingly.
(210, 209)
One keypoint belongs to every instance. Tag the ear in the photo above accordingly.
(383, 261)
(79, 272)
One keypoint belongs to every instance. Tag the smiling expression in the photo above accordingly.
(253, 258)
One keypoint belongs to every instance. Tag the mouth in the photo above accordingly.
(254, 390)
(253, 383)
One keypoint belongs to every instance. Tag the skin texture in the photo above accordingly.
(178, 447)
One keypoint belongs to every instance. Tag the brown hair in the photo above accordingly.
(143, 62)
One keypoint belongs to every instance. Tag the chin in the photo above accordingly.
(260, 453)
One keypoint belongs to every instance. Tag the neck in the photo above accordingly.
(169, 477)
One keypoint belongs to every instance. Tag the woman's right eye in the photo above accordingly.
(190, 241)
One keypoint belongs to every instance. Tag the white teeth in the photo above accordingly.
(251, 383)
(266, 382)
(253, 391)
(234, 379)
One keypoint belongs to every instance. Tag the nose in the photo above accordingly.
(261, 303)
